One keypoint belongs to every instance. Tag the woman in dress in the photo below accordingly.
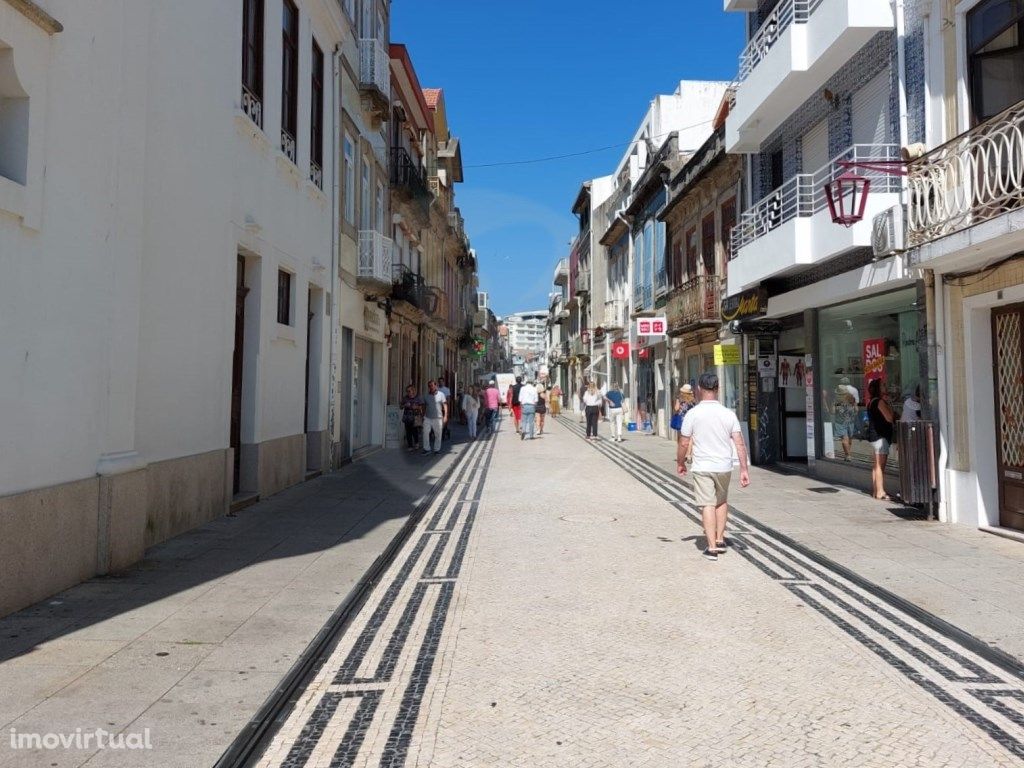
(471, 407)
(412, 410)
(542, 407)
(881, 418)
(555, 400)
(684, 402)
(844, 417)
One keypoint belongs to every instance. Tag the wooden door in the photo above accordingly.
(236, 372)
(1008, 351)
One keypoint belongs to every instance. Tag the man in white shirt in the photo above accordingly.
(528, 402)
(714, 431)
(435, 416)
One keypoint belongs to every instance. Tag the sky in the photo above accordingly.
(536, 78)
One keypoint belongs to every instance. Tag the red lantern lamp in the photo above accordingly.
(847, 195)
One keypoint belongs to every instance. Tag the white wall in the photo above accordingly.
(116, 325)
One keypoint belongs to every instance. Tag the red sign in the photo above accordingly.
(874, 364)
(651, 326)
(620, 350)
(643, 354)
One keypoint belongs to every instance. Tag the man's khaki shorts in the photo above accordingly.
(711, 489)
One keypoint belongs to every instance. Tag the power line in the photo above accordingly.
(550, 158)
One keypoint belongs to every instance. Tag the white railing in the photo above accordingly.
(374, 65)
(252, 105)
(561, 270)
(316, 174)
(804, 194)
(288, 145)
(375, 255)
(614, 314)
(973, 178)
(582, 281)
(761, 42)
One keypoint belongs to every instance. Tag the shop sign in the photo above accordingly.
(620, 350)
(742, 306)
(728, 354)
(766, 367)
(874, 363)
(792, 371)
(651, 326)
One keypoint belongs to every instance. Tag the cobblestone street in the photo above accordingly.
(552, 609)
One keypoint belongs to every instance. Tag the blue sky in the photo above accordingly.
(536, 78)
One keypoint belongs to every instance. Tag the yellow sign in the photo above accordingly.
(728, 354)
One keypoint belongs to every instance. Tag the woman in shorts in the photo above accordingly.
(881, 417)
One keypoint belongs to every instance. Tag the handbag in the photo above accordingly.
(677, 421)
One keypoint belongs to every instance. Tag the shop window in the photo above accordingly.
(873, 338)
(14, 104)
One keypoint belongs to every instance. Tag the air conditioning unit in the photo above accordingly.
(888, 233)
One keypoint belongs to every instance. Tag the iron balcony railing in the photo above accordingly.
(316, 174)
(785, 14)
(375, 254)
(614, 314)
(406, 175)
(374, 66)
(696, 302)
(410, 287)
(288, 145)
(252, 105)
(804, 194)
(973, 178)
(579, 348)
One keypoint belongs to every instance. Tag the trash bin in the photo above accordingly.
(918, 472)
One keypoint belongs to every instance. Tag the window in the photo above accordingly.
(14, 123)
(380, 208)
(707, 243)
(289, 78)
(677, 263)
(366, 199)
(252, 60)
(728, 222)
(316, 119)
(284, 297)
(995, 50)
(350, 179)
(691, 253)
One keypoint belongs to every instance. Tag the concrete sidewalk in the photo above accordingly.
(962, 575)
(191, 642)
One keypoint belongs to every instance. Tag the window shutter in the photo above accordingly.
(814, 148)
(870, 108)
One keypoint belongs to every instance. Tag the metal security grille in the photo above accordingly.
(1010, 388)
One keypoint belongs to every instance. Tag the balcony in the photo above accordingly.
(252, 105)
(579, 348)
(791, 228)
(561, 272)
(582, 284)
(643, 297)
(375, 252)
(614, 315)
(977, 177)
(375, 77)
(697, 302)
(407, 181)
(411, 288)
(797, 49)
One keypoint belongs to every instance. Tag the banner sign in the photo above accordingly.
(620, 350)
(651, 326)
(874, 364)
(728, 354)
(742, 306)
(792, 371)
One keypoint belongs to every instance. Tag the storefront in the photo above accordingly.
(880, 337)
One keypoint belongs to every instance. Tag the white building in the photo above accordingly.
(170, 291)
(527, 332)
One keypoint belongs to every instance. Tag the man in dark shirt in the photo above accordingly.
(517, 408)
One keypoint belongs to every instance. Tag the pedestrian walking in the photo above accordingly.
(614, 398)
(542, 407)
(555, 401)
(684, 402)
(715, 434)
(514, 404)
(443, 389)
(880, 433)
(412, 413)
(492, 399)
(435, 416)
(844, 416)
(471, 407)
(528, 403)
(592, 400)
(584, 386)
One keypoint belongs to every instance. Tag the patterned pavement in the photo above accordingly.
(552, 609)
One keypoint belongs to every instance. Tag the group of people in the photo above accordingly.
(426, 418)
(528, 402)
(608, 403)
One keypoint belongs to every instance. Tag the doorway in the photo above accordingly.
(237, 372)
(313, 417)
(363, 377)
(1008, 351)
